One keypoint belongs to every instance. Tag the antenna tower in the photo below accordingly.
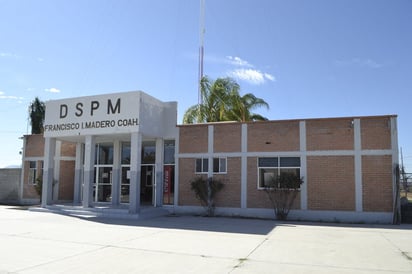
(201, 48)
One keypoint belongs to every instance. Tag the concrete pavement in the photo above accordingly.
(37, 242)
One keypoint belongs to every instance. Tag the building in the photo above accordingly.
(126, 150)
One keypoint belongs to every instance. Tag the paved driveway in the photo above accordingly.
(35, 242)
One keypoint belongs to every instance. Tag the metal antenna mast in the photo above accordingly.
(201, 49)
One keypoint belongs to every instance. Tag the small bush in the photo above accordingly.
(205, 191)
(39, 186)
(282, 192)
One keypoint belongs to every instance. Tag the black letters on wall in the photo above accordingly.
(63, 111)
(79, 108)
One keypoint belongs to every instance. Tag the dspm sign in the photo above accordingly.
(94, 106)
(91, 115)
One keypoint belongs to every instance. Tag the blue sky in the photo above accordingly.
(307, 59)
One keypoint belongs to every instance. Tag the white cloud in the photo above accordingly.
(246, 71)
(40, 59)
(252, 76)
(9, 55)
(359, 63)
(241, 69)
(270, 77)
(237, 61)
(11, 97)
(52, 90)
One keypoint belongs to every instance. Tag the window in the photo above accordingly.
(32, 172)
(125, 154)
(219, 165)
(270, 167)
(202, 165)
(148, 152)
(169, 152)
(168, 172)
(104, 154)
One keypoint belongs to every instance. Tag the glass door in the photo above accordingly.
(125, 185)
(125, 176)
(147, 184)
(147, 175)
(102, 187)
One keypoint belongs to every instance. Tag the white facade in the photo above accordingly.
(116, 122)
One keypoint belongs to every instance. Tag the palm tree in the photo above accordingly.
(37, 110)
(242, 106)
(221, 102)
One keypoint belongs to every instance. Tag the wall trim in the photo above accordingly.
(368, 152)
(294, 215)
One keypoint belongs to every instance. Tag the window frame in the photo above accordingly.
(277, 167)
(32, 175)
(204, 168)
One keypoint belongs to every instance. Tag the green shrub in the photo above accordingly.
(282, 192)
(205, 191)
(39, 186)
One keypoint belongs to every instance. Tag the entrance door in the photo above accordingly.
(125, 185)
(103, 167)
(147, 184)
(103, 184)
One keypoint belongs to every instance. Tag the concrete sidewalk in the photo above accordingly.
(36, 242)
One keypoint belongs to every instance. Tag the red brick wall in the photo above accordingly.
(377, 183)
(229, 196)
(329, 134)
(68, 149)
(376, 133)
(66, 180)
(186, 174)
(273, 136)
(34, 145)
(331, 182)
(193, 139)
(227, 137)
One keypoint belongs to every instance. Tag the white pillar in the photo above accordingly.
(358, 165)
(78, 174)
(243, 171)
(23, 163)
(89, 158)
(158, 187)
(48, 171)
(116, 172)
(176, 188)
(395, 164)
(56, 176)
(135, 169)
(303, 166)
(210, 151)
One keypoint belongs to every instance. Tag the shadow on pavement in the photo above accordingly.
(212, 224)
